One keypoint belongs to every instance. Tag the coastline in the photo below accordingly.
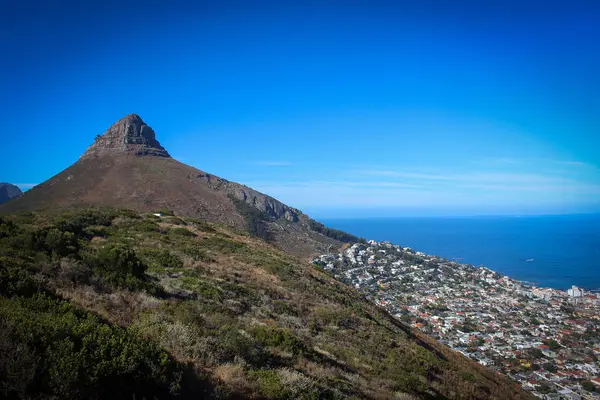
(564, 249)
(545, 339)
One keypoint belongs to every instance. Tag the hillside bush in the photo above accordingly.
(181, 232)
(269, 383)
(334, 233)
(50, 346)
(221, 245)
(77, 221)
(117, 265)
(161, 258)
(276, 337)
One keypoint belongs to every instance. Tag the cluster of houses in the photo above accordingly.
(546, 339)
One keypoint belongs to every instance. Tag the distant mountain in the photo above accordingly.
(127, 167)
(8, 192)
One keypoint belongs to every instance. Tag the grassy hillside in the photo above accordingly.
(97, 304)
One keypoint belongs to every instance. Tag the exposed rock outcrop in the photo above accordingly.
(129, 135)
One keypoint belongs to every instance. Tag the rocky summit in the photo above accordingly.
(127, 167)
(129, 135)
(8, 192)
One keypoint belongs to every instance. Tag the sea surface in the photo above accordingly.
(549, 251)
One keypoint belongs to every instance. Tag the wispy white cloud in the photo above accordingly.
(510, 178)
(402, 174)
(574, 164)
(545, 163)
(337, 184)
(494, 161)
(386, 187)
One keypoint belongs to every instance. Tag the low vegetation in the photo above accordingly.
(111, 303)
(334, 233)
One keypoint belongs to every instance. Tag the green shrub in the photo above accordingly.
(334, 233)
(118, 266)
(59, 242)
(222, 245)
(197, 254)
(7, 228)
(231, 343)
(126, 213)
(203, 288)
(181, 232)
(276, 337)
(147, 226)
(96, 230)
(282, 269)
(15, 280)
(269, 383)
(467, 376)
(162, 258)
(77, 221)
(64, 352)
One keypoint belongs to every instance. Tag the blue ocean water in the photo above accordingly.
(565, 249)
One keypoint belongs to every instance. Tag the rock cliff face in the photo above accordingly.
(269, 206)
(8, 192)
(127, 167)
(129, 135)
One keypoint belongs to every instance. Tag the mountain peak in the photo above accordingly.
(129, 135)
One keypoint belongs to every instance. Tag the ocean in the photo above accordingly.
(549, 251)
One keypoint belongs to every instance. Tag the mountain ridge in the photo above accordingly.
(128, 167)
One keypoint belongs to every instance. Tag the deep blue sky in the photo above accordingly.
(341, 109)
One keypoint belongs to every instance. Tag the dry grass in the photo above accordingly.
(233, 375)
(121, 307)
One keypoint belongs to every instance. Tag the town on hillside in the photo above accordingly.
(548, 340)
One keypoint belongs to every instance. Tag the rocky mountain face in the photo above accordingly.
(127, 167)
(129, 135)
(8, 192)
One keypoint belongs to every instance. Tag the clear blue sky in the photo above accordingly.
(340, 109)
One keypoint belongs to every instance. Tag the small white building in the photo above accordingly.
(575, 291)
